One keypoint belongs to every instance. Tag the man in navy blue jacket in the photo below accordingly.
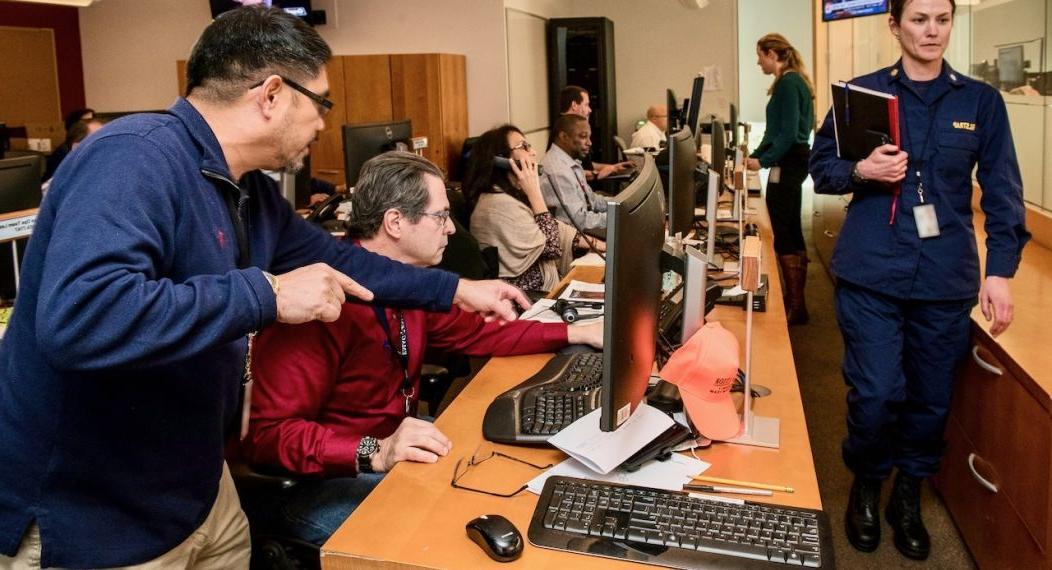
(159, 250)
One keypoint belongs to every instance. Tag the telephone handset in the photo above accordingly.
(502, 163)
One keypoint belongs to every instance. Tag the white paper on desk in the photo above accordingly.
(602, 451)
(671, 474)
(589, 259)
(542, 312)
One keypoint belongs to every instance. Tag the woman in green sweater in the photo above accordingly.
(785, 150)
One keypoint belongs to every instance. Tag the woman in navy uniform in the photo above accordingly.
(907, 269)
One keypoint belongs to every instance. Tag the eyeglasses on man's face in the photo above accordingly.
(324, 104)
(441, 216)
(475, 460)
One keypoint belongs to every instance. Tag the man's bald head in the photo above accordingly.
(658, 114)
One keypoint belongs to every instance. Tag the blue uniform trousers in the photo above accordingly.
(899, 361)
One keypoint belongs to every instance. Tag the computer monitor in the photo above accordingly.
(20, 183)
(694, 107)
(634, 236)
(299, 8)
(1010, 72)
(719, 148)
(364, 141)
(734, 126)
(671, 103)
(711, 217)
(683, 159)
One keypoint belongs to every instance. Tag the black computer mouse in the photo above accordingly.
(496, 536)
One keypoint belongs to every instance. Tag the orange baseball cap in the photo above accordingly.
(704, 369)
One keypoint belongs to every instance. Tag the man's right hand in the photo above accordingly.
(887, 164)
(315, 292)
(414, 440)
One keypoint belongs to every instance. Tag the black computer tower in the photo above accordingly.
(581, 52)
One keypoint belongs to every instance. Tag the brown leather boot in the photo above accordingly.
(794, 272)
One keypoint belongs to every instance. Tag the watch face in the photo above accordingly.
(368, 446)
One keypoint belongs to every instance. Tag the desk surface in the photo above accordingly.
(414, 519)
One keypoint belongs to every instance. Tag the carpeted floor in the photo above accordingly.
(817, 349)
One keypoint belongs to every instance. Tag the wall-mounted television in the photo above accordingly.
(299, 8)
(841, 9)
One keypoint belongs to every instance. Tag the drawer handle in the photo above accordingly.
(971, 465)
(828, 234)
(984, 364)
(817, 214)
(326, 171)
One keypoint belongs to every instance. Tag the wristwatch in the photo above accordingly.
(273, 281)
(856, 176)
(367, 447)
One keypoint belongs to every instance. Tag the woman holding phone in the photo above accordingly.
(907, 269)
(502, 188)
(784, 149)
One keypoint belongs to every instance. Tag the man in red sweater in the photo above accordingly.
(335, 401)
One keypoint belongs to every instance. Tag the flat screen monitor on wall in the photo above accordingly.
(1010, 72)
(299, 8)
(841, 9)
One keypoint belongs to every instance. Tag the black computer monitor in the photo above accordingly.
(634, 235)
(20, 183)
(299, 8)
(683, 158)
(671, 103)
(694, 107)
(364, 141)
(734, 126)
(1010, 72)
(719, 148)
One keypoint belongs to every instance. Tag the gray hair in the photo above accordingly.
(245, 45)
(392, 180)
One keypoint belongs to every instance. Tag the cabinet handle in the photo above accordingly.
(984, 364)
(326, 171)
(828, 234)
(817, 214)
(971, 465)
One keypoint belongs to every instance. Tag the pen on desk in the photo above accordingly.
(721, 489)
(707, 479)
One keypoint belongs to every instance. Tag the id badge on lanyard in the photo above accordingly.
(924, 214)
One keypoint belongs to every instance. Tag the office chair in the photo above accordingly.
(269, 550)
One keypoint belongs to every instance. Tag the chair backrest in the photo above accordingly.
(621, 146)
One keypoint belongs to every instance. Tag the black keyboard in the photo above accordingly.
(566, 389)
(674, 529)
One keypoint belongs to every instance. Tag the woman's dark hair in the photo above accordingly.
(246, 45)
(481, 176)
(897, 6)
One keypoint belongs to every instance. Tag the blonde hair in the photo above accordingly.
(788, 55)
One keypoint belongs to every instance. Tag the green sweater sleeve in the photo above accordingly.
(783, 120)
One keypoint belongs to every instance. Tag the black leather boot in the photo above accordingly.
(904, 516)
(862, 520)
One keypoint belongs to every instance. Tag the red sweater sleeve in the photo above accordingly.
(295, 368)
(470, 334)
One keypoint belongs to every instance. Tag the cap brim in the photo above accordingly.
(717, 420)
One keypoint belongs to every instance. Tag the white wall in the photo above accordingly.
(660, 44)
(130, 46)
(792, 19)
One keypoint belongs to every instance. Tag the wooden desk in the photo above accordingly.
(414, 519)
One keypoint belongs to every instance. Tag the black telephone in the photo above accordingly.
(503, 163)
(324, 214)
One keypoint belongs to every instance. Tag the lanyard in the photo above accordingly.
(920, 157)
(400, 352)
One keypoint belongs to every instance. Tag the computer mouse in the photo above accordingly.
(496, 536)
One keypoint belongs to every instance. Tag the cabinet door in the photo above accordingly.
(326, 154)
(431, 91)
(990, 525)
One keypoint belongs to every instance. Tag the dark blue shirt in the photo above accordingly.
(120, 367)
(956, 124)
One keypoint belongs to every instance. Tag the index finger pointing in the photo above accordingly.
(352, 288)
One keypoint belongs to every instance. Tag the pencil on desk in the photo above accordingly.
(781, 488)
